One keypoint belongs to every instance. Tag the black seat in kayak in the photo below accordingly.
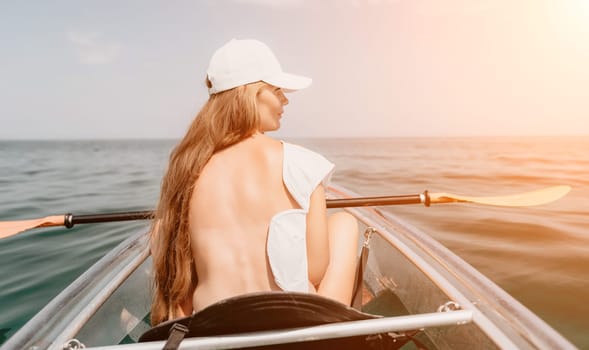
(270, 311)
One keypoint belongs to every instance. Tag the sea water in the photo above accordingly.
(540, 255)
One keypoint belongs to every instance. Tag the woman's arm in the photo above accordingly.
(317, 236)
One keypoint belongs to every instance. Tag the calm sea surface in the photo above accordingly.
(540, 255)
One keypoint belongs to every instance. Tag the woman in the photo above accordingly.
(240, 212)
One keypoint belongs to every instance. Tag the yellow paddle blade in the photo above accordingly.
(11, 228)
(525, 199)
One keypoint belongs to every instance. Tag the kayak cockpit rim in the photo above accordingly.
(327, 331)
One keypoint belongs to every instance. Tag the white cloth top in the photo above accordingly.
(302, 171)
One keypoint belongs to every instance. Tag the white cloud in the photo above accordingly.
(91, 48)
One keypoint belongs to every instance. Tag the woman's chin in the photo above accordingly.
(271, 128)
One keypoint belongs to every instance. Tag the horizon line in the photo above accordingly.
(303, 137)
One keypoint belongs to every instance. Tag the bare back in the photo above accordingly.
(239, 191)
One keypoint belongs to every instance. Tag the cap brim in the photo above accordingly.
(289, 81)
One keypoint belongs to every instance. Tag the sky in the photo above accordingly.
(380, 68)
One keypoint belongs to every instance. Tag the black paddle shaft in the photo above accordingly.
(378, 201)
(71, 220)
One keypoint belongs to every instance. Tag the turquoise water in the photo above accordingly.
(540, 255)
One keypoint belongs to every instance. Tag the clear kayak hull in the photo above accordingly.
(410, 279)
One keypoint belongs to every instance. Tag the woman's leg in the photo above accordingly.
(338, 281)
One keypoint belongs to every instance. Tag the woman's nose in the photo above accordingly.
(283, 98)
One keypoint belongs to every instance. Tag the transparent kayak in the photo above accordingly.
(419, 289)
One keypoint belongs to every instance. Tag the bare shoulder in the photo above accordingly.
(265, 143)
(271, 148)
(258, 148)
(248, 158)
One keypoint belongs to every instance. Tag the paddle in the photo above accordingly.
(543, 196)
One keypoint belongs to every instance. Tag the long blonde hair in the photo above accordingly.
(226, 118)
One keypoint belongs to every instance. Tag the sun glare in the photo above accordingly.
(570, 23)
(577, 14)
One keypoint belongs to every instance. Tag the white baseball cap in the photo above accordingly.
(241, 62)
